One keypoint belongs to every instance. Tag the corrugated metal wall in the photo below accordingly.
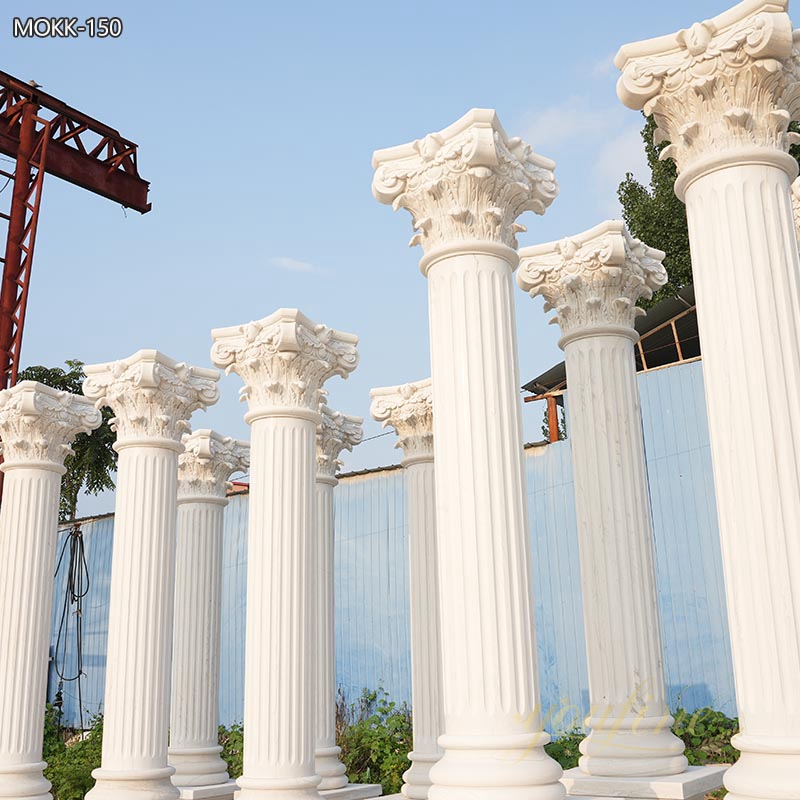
(371, 579)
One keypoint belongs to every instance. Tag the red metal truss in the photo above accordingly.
(22, 223)
(44, 135)
(81, 150)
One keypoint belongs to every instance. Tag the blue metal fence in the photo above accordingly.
(371, 576)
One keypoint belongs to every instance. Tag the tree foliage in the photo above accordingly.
(655, 215)
(94, 460)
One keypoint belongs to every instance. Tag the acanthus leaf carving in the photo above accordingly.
(408, 409)
(152, 396)
(335, 432)
(38, 423)
(467, 182)
(284, 359)
(593, 279)
(724, 84)
(208, 461)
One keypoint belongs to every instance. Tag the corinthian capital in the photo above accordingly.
(592, 280)
(152, 396)
(468, 182)
(409, 410)
(284, 359)
(208, 460)
(335, 432)
(726, 84)
(38, 423)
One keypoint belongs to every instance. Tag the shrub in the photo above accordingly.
(70, 767)
(375, 736)
(232, 742)
(707, 736)
(565, 749)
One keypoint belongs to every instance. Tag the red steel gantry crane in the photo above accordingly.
(44, 135)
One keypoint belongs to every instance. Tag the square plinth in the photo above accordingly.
(690, 785)
(354, 791)
(219, 791)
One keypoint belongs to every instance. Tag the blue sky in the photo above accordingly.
(256, 124)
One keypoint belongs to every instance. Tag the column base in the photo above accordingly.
(200, 766)
(284, 788)
(329, 768)
(690, 785)
(417, 778)
(151, 784)
(510, 767)
(24, 782)
(768, 769)
(219, 791)
(354, 791)
(632, 748)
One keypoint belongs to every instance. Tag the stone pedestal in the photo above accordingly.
(465, 186)
(409, 410)
(220, 791)
(37, 424)
(691, 784)
(152, 397)
(335, 433)
(594, 280)
(203, 471)
(722, 93)
(283, 360)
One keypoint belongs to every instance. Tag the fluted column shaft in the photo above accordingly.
(37, 424)
(409, 410)
(326, 754)
(28, 530)
(278, 658)
(152, 397)
(747, 284)
(194, 719)
(464, 187)
(629, 721)
(593, 280)
(493, 729)
(284, 360)
(722, 93)
(426, 659)
(136, 708)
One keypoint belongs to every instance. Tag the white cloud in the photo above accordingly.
(602, 67)
(550, 127)
(294, 265)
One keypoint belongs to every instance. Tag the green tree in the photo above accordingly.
(94, 459)
(655, 215)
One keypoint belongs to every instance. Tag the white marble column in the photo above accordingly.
(409, 410)
(283, 361)
(465, 187)
(336, 432)
(722, 93)
(593, 281)
(152, 398)
(37, 424)
(204, 467)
